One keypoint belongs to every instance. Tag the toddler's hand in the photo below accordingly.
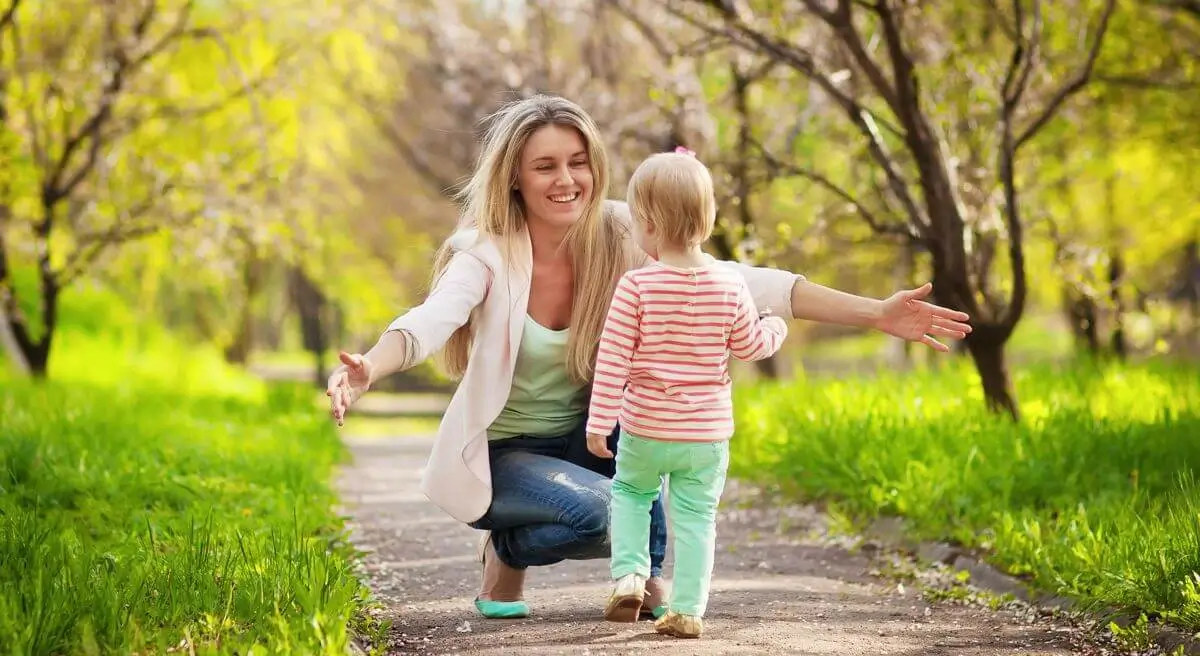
(598, 445)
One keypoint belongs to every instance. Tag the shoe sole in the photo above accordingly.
(624, 609)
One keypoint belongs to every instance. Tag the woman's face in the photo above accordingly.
(555, 176)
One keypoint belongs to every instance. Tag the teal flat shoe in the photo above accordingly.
(489, 608)
(656, 590)
(656, 612)
(503, 610)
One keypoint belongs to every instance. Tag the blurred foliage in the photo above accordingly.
(325, 135)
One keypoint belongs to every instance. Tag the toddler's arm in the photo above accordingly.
(752, 337)
(617, 343)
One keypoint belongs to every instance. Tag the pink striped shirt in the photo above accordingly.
(662, 368)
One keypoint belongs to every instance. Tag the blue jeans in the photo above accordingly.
(550, 502)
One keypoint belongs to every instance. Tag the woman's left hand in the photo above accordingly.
(906, 315)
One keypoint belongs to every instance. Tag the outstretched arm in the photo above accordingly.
(413, 336)
(904, 314)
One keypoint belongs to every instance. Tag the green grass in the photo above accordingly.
(1092, 495)
(153, 497)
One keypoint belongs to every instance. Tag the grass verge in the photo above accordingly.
(1091, 495)
(146, 514)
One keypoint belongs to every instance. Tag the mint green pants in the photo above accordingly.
(696, 478)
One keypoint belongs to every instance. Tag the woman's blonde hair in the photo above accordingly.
(673, 193)
(492, 205)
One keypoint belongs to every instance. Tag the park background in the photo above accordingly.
(201, 201)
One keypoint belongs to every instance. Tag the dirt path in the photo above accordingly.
(775, 590)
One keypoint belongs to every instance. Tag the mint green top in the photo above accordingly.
(544, 401)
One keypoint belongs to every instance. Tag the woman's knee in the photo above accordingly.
(532, 489)
(588, 515)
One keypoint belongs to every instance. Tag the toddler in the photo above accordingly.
(662, 373)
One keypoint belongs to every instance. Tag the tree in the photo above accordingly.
(1116, 163)
(8, 339)
(459, 64)
(936, 186)
(117, 130)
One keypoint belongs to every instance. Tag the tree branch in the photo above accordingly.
(420, 164)
(10, 14)
(1147, 82)
(701, 46)
(907, 94)
(650, 34)
(779, 168)
(1034, 50)
(1002, 20)
(1189, 7)
(182, 113)
(416, 160)
(1024, 56)
(1075, 84)
(802, 61)
(841, 20)
(10, 311)
(55, 187)
(91, 245)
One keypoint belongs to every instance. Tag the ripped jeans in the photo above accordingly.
(550, 502)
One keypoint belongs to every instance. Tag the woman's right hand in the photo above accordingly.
(348, 382)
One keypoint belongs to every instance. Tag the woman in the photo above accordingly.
(519, 296)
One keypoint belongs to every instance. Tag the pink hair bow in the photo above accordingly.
(684, 151)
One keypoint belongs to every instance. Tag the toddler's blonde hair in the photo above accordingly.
(673, 193)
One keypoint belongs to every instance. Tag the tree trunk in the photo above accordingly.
(319, 378)
(1082, 316)
(958, 348)
(768, 368)
(1116, 263)
(39, 356)
(1082, 312)
(722, 243)
(8, 339)
(36, 352)
(238, 351)
(906, 270)
(10, 346)
(986, 346)
(310, 304)
(10, 331)
(1116, 272)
